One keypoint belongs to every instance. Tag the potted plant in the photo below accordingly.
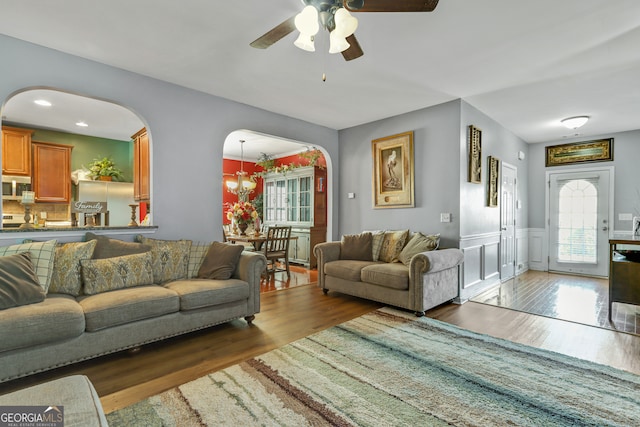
(104, 169)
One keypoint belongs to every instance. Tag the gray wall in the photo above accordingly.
(475, 217)
(187, 129)
(626, 156)
(437, 171)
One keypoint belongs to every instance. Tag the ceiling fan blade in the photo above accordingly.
(354, 51)
(391, 5)
(275, 34)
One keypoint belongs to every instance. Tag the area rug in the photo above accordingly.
(389, 368)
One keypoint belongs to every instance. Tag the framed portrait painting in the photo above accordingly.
(393, 174)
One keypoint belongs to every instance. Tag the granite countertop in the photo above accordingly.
(83, 228)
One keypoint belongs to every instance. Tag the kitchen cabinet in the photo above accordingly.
(16, 151)
(624, 286)
(51, 172)
(298, 198)
(141, 180)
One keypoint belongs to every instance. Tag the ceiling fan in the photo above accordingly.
(334, 16)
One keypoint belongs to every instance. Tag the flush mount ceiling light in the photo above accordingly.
(42, 102)
(574, 122)
(334, 16)
(243, 186)
(82, 124)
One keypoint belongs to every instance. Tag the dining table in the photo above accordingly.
(257, 240)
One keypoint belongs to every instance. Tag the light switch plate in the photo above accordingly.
(445, 217)
(351, 195)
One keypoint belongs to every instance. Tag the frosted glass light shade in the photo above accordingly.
(345, 23)
(575, 122)
(337, 42)
(305, 42)
(307, 21)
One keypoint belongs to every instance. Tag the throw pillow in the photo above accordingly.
(108, 248)
(357, 247)
(42, 256)
(417, 244)
(109, 274)
(196, 256)
(19, 284)
(376, 243)
(67, 275)
(220, 262)
(392, 245)
(170, 258)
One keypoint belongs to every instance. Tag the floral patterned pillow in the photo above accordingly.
(170, 258)
(67, 274)
(109, 274)
(392, 245)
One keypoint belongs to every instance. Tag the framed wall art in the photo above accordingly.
(475, 154)
(493, 180)
(600, 150)
(393, 175)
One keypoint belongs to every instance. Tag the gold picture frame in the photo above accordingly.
(493, 181)
(393, 174)
(599, 150)
(475, 155)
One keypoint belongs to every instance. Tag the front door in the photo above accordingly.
(579, 222)
(507, 221)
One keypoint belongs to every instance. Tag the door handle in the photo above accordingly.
(504, 228)
(605, 228)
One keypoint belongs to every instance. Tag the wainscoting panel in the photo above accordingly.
(522, 250)
(481, 267)
(538, 249)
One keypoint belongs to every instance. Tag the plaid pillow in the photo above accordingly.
(42, 256)
(196, 255)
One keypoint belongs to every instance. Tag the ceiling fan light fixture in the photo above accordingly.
(574, 122)
(345, 23)
(305, 42)
(307, 21)
(337, 42)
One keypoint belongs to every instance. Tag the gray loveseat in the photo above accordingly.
(75, 323)
(409, 277)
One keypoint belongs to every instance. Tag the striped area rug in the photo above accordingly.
(389, 368)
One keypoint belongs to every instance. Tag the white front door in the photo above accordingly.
(508, 176)
(579, 222)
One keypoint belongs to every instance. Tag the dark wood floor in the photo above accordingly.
(574, 298)
(287, 315)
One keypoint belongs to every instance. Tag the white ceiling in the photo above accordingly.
(526, 64)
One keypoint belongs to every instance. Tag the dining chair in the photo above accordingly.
(276, 247)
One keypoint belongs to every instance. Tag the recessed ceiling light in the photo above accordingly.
(82, 124)
(42, 102)
(574, 122)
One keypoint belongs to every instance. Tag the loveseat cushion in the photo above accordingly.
(57, 318)
(391, 275)
(128, 305)
(346, 269)
(198, 293)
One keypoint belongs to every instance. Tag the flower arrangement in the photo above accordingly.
(104, 167)
(242, 213)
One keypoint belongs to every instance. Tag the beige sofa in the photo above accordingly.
(76, 325)
(428, 279)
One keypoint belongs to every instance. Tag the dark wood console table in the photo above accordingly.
(624, 275)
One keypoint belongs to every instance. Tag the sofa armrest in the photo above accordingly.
(250, 268)
(325, 252)
(434, 261)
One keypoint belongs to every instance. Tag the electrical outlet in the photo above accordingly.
(445, 217)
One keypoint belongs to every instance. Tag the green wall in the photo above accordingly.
(88, 148)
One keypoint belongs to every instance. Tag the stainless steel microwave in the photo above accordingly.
(13, 186)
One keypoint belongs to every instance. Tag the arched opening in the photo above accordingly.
(102, 155)
(291, 187)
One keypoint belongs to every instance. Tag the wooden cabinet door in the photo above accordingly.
(16, 151)
(141, 184)
(52, 172)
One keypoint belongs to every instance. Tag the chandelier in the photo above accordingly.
(244, 185)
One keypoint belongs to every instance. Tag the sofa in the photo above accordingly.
(64, 303)
(394, 267)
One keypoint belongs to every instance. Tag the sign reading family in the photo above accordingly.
(89, 207)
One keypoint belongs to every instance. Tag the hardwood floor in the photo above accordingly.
(124, 378)
(574, 298)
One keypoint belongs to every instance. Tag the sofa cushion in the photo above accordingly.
(109, 248)
(115, 308)
(220, 262)
(170, 258)
(417, 244)
(57, 318)
(18, 281)
(357, 247)
(390, 275)
(196, 255)
(198, 293)
(346, 269)
(102, 275)
(392, 245)
(42, 256)
(67, 273)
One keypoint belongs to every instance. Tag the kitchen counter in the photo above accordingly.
(9, 236)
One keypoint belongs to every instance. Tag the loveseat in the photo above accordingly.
(61, 304)
(393, 267)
